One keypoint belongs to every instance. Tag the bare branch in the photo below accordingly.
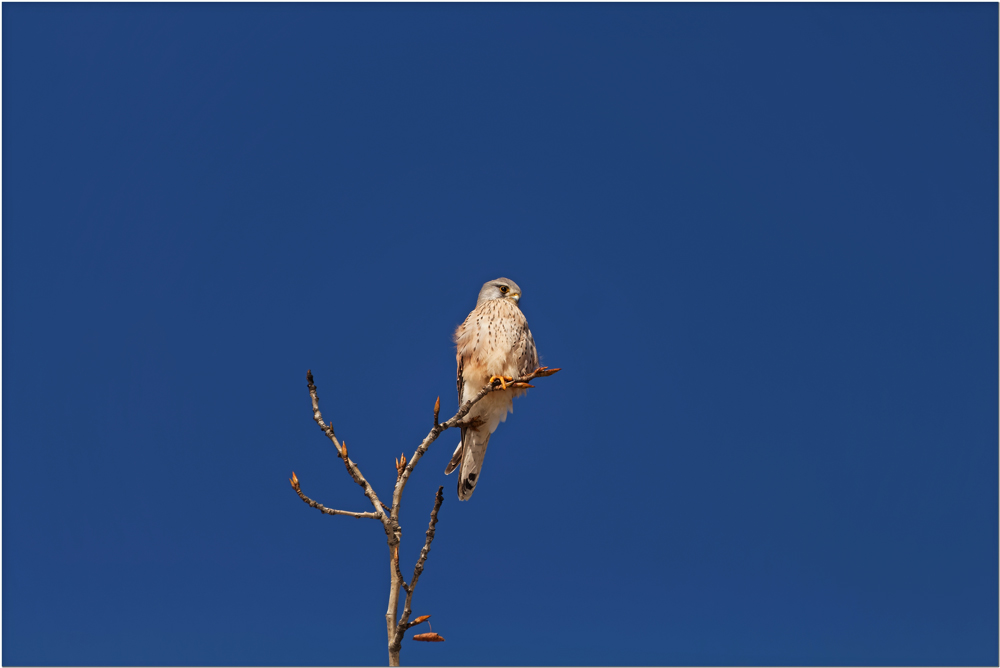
(323, 509)
(317, 416)
(352, 468)
(418, 569)
(390, 518)
(399, 573)
(355, 473)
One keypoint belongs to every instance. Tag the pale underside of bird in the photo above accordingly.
(493, 342)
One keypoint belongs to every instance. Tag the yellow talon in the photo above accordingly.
(501, 379)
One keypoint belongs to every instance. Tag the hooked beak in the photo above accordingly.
(516, 296)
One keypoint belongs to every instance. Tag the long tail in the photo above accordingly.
(469, 454)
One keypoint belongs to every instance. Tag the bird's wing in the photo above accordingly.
(456, 458)
(528, 360)
(461, 379)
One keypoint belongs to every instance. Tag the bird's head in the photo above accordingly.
(500, 288)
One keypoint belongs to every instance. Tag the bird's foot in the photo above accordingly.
(502, 379)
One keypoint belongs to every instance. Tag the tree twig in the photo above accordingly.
(399, 573)
(317, 416)
(418, 569)
(352, 468)
(323, 509)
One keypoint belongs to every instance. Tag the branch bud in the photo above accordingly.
(420, 619)
(294, 480)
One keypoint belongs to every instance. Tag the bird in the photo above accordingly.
(494, 343)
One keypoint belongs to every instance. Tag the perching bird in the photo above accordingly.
(494, 342)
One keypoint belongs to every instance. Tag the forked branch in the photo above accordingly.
(389, 515)
(404, 624)
(320, 507)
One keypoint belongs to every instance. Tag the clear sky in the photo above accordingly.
(761, 240)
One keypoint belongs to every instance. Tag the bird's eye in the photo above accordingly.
(504, 289)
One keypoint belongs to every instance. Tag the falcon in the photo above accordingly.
(494, 343)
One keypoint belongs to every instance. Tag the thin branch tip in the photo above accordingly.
(329, 511)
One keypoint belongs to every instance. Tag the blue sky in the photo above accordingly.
(761, 240)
